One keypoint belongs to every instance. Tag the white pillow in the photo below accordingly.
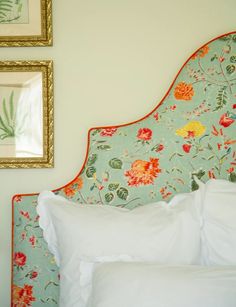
(81, 235)
(219, 222)
(151, 285)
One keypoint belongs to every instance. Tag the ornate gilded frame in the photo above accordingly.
(26, 35)
(31, 114)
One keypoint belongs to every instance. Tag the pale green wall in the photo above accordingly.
(113, 61)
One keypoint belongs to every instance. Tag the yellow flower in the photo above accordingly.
(191, 130)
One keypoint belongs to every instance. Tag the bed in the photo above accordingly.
(189, 137)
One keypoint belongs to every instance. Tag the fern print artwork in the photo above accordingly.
(7, 118)
(14, 12)
(13, 119)
(20, 117)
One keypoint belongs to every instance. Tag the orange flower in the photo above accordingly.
(214, 131)
(22, 297)
(184, 91)
(201, 52)
(79, 182)
(211, 174)
(164, 193)
(229, 142)
(69, 191)
(143, 172)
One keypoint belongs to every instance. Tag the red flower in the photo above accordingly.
(160, 147)
(144, 134)
(32, 240)
(234, 106)
(225, 121)
(25, 214)
(173, 107)
(22, 297)
(108, 131)
(33, 274)
(19, 259)
(18, 198)
(187, 147)
(156, 116)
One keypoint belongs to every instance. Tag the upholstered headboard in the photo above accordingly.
(191, 132)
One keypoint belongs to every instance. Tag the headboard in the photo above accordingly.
(192, 131)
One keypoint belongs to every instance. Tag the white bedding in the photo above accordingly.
(194, 228)
(151, 285)
(82, 235)
(219, 222)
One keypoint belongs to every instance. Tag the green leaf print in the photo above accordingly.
(221, 98)
(230, 69)
(90, 171)
(115, 163)
(113, 186)
(104, 147)
(7, 118)
(122, 193)
(233, 59)
(109, 197)
(92, 159)
(232, 177)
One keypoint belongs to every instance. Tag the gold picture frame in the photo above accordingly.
(26, 114)
(25, 23)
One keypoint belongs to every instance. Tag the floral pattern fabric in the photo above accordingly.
(192, 132)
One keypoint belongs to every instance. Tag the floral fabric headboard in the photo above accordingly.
(191, 132)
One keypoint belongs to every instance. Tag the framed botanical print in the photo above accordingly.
(26, 114)
(25, 23)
